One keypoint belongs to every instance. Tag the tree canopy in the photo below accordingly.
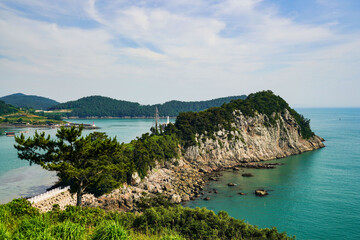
(95, 163)
(107, 107)
(188, 124)
(7, 108)
(88, 164)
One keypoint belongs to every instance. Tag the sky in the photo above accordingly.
(306, 51)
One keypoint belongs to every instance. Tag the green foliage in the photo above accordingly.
(148, 149)
(103, 106)
(33, 228)
(155, 223)
(110, 230)
(29, 101)
(200, 223)
(208, 122)
(7, 108)
(156, 201)
(93, 163)
(68, 230)
(20, 207)
(4, 233)
(82, 215)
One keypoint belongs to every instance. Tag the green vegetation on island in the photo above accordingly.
(29, 101)
(19, 220)
(23, 118)
(7, 108)
(98, 106)
(207, 122)
(97, 164)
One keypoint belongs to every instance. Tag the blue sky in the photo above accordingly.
(306, 51)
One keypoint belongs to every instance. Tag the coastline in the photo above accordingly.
(125, 117)
(179, 181)
(7, 125)
(183, 179)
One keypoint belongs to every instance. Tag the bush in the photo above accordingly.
(33, 228)
(110, 230)
(4, 234)
(21, 207)
(68, 230)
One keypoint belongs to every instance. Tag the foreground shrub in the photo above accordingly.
(33, 228)
(4, 234)
(68, 230)
(82, 215)
(200, 223)
(110, 231)
(171, 223)
(20, 207)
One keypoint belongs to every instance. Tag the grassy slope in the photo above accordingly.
(22, 117)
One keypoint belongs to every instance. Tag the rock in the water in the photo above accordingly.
(241, 193)
(207, 198)
(231, 184)
(261, 192)
(236, 169)
(247, 175)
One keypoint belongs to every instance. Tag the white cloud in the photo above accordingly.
(183, 52)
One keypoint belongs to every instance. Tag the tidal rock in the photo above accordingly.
(207, 198)
(261, 192)
(247, 175)
(231, 184)
(241, 193)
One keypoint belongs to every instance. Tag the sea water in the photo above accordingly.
(18, 179)
(315, 195)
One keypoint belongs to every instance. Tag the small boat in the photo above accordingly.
(10, 134)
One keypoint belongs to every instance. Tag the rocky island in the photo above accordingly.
(243, 133)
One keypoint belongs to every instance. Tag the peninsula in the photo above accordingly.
(156, 171)
(175, 160)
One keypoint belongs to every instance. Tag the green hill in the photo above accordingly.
(7, 108)
(29, 101)
(107, 107)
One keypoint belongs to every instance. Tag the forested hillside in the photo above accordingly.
(7, 108)
(29, 101)
(98, 106)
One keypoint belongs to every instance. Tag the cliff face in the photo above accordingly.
(252, 139)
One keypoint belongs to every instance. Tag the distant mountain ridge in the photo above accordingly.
(29, 101)
(99, 106)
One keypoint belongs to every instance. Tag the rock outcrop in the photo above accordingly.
(252, 140)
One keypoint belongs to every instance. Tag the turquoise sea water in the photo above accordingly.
(18, 179)
(315, 195)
